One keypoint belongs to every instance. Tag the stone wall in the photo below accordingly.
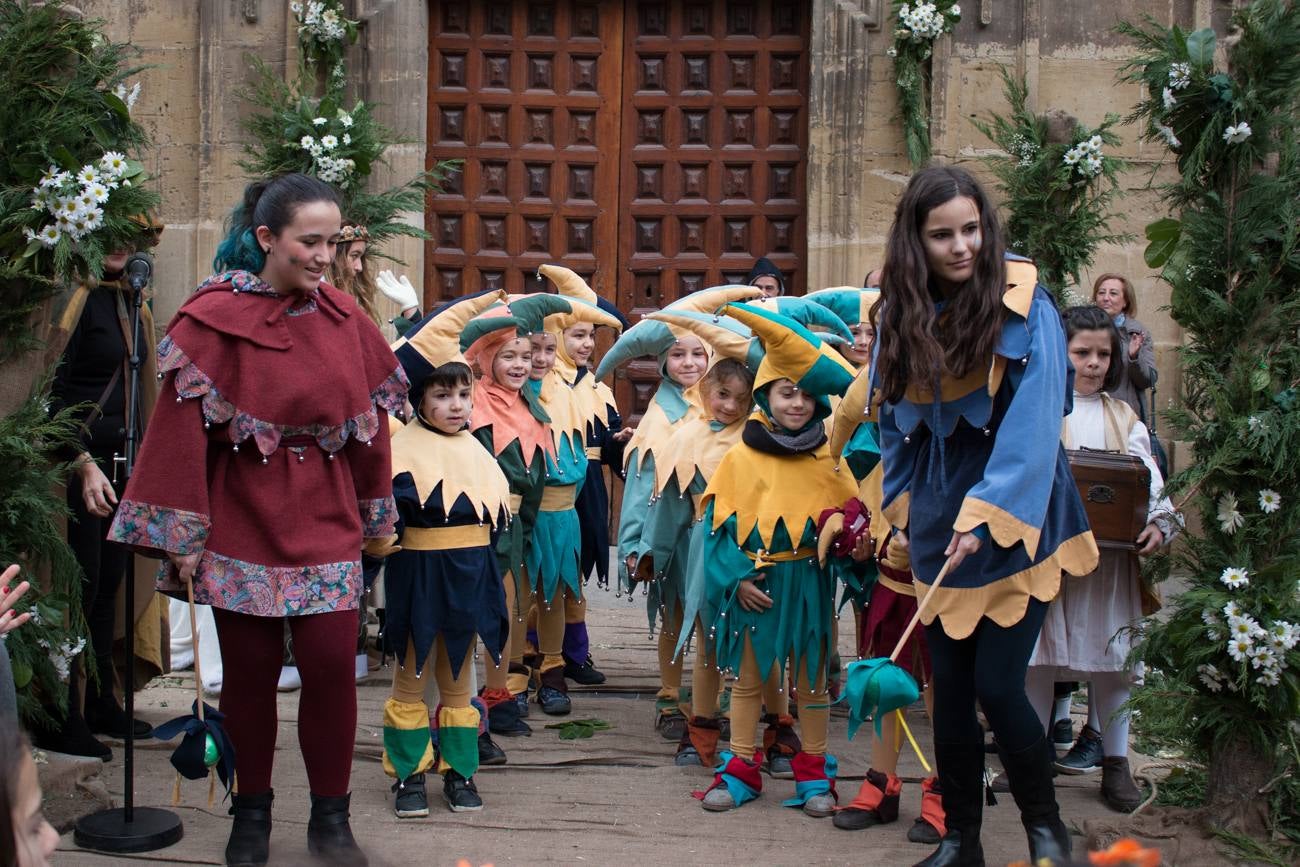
(1068, 52)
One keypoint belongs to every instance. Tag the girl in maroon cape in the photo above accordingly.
(265, 467)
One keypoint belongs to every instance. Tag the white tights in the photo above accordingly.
(1107, 692)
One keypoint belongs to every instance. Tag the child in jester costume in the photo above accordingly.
(760, 588)
(683, 360)
(605, 438)
(511, 424)
(684, 469)
(853, 306)
(443, 582)
(553, 557)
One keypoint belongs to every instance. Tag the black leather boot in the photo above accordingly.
(1029, 773)
(329, 836)
(250, 833)
(961, 780)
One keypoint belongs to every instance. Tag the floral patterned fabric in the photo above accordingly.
(269, 591)
(191, 382)
(150, 526)
(378, 517)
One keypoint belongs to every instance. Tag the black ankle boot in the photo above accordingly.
(250, 833)
(961, 783)
(329, 836)
(1029, 772)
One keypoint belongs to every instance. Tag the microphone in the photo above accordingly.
(139, 270)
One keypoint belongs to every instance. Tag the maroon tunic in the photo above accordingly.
(268, 449)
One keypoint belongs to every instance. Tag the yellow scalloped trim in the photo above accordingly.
(896, 513)
(459, 462)
(959, 609)
(1005, 527)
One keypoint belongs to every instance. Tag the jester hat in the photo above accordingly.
(850, 303)
(791, 351)
(655, 337)
(571, 285)
(435, 340)
(813, 316)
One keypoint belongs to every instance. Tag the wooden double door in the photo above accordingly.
(654, 146)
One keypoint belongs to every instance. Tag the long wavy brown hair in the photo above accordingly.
(916, 346)
(361, 286)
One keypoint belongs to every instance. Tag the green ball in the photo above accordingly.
(211, 755)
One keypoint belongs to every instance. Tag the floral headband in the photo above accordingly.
(352, 233)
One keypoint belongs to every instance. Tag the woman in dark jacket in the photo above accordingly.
(1114, 294)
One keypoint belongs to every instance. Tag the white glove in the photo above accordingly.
(398, 290)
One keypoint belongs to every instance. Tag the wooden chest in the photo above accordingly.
(1115, 490)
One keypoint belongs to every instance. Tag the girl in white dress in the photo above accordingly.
(1089, 628)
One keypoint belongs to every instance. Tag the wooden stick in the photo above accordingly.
(194, 638)
(916, 618)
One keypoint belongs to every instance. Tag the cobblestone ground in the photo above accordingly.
(614, 799)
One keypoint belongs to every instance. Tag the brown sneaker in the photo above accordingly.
(1117, 787)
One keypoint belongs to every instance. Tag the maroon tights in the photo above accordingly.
(325, 646)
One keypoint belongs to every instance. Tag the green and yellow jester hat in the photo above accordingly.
(791, 351)
(815, 317)
(656, 337)
(435, 340)
(584, 301)
(850, 303)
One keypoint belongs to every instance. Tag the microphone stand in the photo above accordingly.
(126, 828)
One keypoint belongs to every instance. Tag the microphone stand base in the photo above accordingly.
(108, 831)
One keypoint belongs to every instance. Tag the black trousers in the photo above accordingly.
(103, 564)
(987, 666)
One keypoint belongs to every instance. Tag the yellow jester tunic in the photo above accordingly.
(761, 511)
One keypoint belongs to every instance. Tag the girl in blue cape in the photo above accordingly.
(761, 590)
(973, 382)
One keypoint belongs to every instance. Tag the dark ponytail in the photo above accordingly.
(271, 203)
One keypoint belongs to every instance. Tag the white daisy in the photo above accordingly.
(1229, 518)
(99, 192)
(88, 175)
(347, 139)
(1240, 648)
(113, 163)
(1167, 96)
(1167, 133)
(345, 119)
(1209, 618)
(50, 235)
(307, 142)
(1269, 501)
(1233, 609)
(1244, 627)
(1234, 577)
(1237, 134)
(329, 142)
(1180, 75)
(1261, 657)
(1284, 634)
(1210, 676)
(1268, 678)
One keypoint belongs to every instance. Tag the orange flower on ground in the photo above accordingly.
(1125, 853)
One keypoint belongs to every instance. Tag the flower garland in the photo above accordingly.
(1229, 646)
(1057, 195)
(919, 25)
(324, 34)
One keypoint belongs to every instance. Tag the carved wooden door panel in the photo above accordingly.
(527, 94)
(714, 132)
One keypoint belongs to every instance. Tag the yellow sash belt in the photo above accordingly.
(558, 498)
(446, 538)
(516, 501)
(762, 559)
(593, 453)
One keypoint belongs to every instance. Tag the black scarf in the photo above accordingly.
(773, 441)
